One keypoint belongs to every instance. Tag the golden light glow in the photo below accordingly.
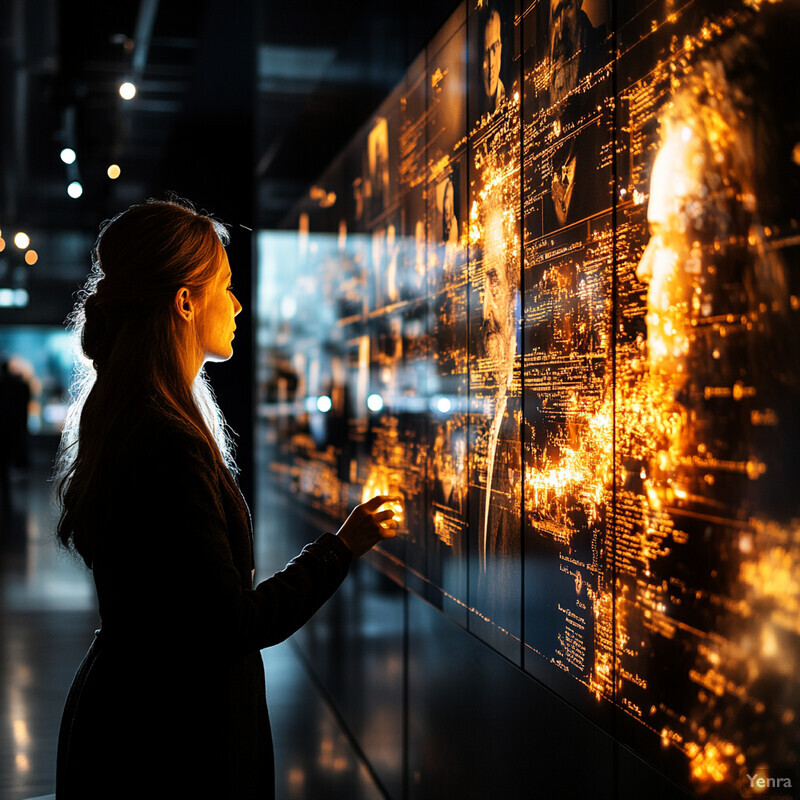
(579, 472)
(663, 427)
(22, 240)
(113, 171)
(644, 405)
(384, 482)
(31, 257)
(296, 778)
(324, 198)
(21, 736)
(712, 762)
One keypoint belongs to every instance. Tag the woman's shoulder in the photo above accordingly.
(153, 435)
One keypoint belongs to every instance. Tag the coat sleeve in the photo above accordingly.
(188, 589)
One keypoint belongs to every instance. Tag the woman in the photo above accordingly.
(170, 698)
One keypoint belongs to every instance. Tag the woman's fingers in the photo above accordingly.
(366, 525)
(374, 503)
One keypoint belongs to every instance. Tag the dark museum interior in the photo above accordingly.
(523, 266)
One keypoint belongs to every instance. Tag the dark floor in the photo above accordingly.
(47, 621)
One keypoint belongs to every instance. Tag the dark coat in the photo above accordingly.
(170, 700)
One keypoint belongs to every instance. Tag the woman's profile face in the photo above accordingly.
(215, 319)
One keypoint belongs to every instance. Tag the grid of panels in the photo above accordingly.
(546, 297)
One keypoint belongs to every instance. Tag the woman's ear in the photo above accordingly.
(184, 304)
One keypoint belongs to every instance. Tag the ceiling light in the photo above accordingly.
(68, 155)
(127, 91)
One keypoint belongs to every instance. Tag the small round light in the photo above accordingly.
(113, 172)
(443, 405)
(2, 245)
(31, 257)
(75, 190)
(127, 91)
(374, 402)
(22, 240)
(68, 155)
(324, 404)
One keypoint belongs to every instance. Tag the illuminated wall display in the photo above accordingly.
(554, 305)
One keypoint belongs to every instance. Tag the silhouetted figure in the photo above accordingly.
(15, 396)
(170, 699)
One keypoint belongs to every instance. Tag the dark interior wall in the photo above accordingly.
(321, 74)
(210, 161)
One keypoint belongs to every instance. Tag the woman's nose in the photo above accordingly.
(644, 270)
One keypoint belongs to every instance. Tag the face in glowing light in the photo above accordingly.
(668, 262)
(215, 316)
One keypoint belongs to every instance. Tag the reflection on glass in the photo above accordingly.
(585, 336)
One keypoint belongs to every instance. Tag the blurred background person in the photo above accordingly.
(15, 398)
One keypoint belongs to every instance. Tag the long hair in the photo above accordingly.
(131, 351)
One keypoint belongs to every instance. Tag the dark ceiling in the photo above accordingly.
(240, 105)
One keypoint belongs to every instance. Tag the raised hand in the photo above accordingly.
(366, 525)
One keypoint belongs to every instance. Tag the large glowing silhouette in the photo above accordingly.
(717, 357)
